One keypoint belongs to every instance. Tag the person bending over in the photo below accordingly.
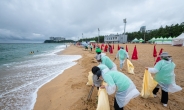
(106, 61)
(119, 83)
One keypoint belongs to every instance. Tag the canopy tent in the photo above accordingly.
(135, 40)
(167, 40)
(152, 40)
(161, 40)
(141, 40)
(158, 41)
(92, 41)
(178, 41)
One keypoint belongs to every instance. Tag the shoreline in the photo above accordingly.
(63, 52)
(69, 91)
(35, 95)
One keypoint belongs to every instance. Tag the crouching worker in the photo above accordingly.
(164, 75)
(117, 81)
(101, 58)
(96, 81)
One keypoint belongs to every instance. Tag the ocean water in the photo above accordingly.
(23, 73)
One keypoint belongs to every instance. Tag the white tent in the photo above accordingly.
(178, 40)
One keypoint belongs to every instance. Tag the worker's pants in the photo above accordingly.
(121, 66)
(164, 97)
(116, 106)
(121, 63)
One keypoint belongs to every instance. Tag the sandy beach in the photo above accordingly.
(69, 91)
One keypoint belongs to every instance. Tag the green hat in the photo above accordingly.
(98, 50)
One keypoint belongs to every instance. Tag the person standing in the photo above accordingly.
(91, 47)
(164, 75)
(121, 84)
(122, 55)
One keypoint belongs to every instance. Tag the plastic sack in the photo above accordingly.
(90, 79)
(103, 101)
(148, 85)
(130, 67)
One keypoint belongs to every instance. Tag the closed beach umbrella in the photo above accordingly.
(134, 55)
(118, 47)
(126, 48)
(158, 58)
(154, 51)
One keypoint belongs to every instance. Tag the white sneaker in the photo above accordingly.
(154, 95)
(165, 105)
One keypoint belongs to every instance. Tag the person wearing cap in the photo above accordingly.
(106, 61)
(164, 75)
(122, 55)
(98, 51)
(96, 81)
(117, 82)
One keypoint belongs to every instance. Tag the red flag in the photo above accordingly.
(134, 55)
(111, 49)
(126, 48)
(113, 46)
(158, 58)
(154, 51)
(118, 47)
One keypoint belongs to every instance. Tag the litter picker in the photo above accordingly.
(114, 59)
(90, 93)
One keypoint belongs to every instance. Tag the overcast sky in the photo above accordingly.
(36, 20)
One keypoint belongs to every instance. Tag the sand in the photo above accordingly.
(69, 91)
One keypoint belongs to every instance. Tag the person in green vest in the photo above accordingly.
(91, 47)
(121, 84)
(122, 55)
(101, 58)
(164, 75)
(96, 81)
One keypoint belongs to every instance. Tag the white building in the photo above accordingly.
(57, 38)
(118, 38)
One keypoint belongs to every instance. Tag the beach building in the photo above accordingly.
(57, 38)
(115, 38)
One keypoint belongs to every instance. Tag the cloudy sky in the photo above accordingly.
(25, 21)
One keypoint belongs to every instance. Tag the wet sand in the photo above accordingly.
(69, 91)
